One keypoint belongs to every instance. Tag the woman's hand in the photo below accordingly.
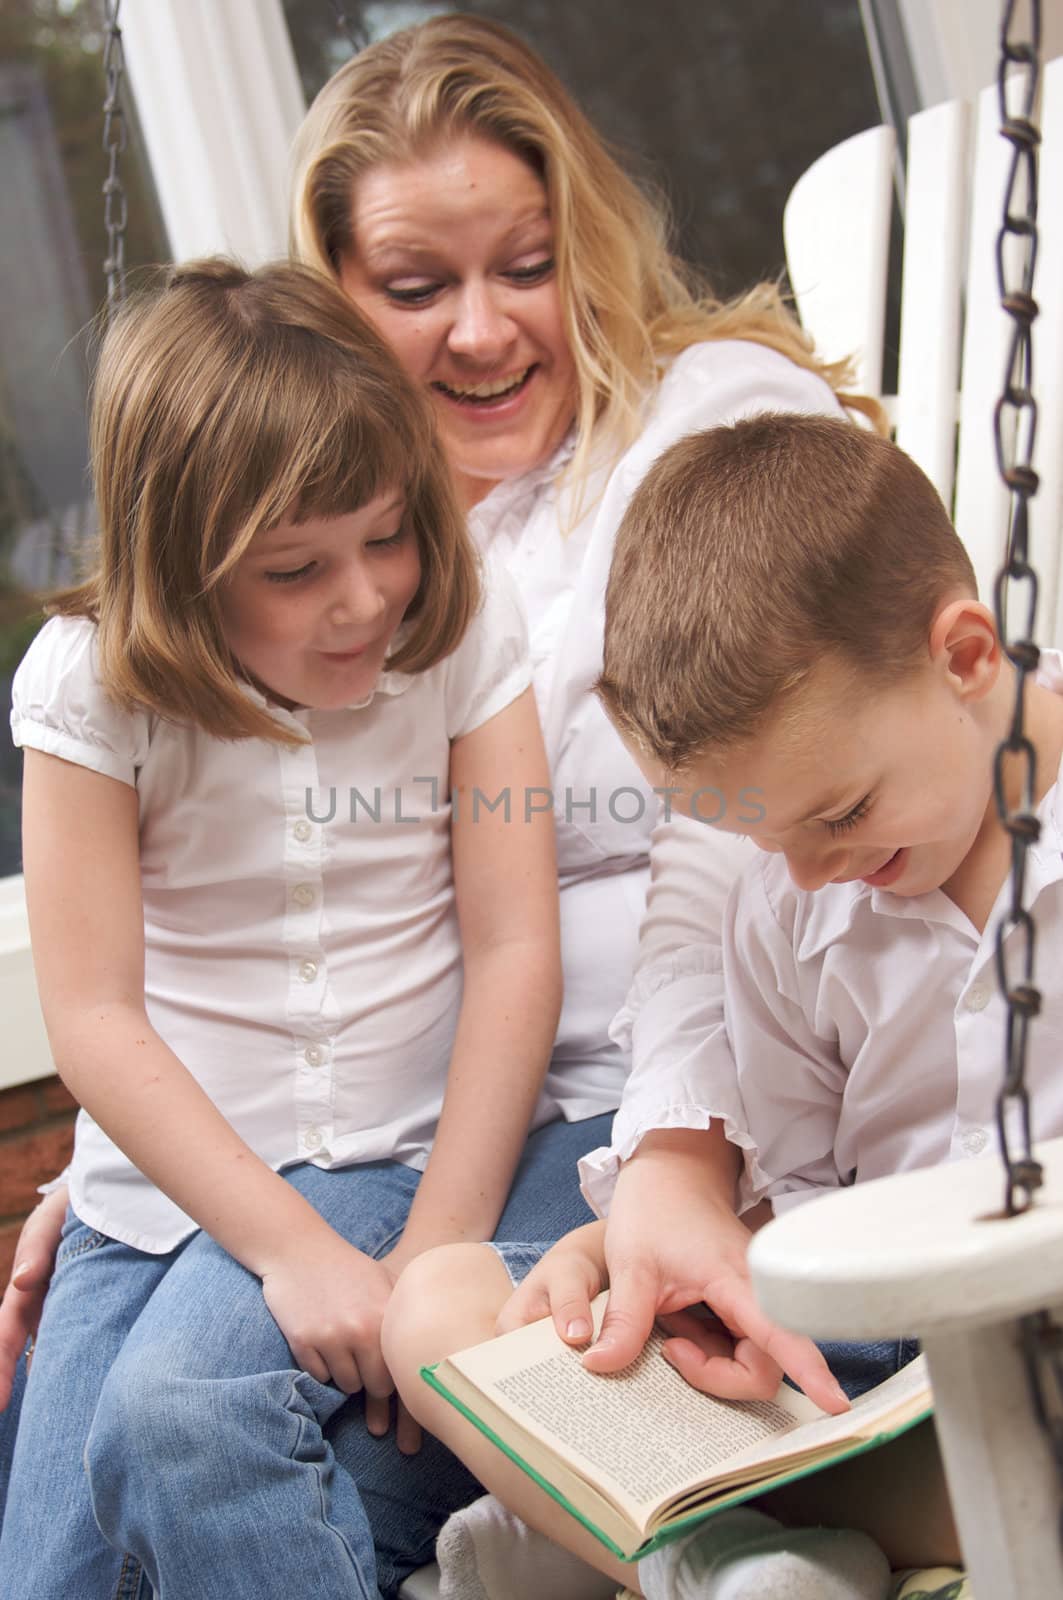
(328, 1300)
(20, 1309)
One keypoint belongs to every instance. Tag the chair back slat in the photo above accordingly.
(934, 240)
(1046, 508)
(839, 211)
(980, 508)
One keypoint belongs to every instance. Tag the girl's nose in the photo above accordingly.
(357, 598)
(481, 329)
(810, 868)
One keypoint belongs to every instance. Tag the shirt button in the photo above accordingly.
(977, 997)
(312, 1139)
(313, 1055)
(303, 831)
(303, 894)
(975, 1141)
(308, 971)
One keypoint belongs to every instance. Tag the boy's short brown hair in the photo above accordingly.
(751, 552)
(224, 402)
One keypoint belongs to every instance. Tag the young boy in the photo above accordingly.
(794, 648)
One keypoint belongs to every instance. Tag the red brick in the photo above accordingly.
(18, 1108)
(55, 1096)
(8, 1241)
(26, 1161)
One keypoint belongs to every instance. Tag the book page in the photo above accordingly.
(642, 1433)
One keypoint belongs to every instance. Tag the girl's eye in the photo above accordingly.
(536, 272)
(294, 576)
(413, 294)
(390, 543)
(850, 820)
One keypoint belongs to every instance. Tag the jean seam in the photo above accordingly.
(302, 1426)
(94, 1242)
(129, 1577)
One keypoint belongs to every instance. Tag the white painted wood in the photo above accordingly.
(980, 507)
(25, 1055)
(928, 1254)
(839, 212)
(935, 235)
(219, 100)
(1046, 508)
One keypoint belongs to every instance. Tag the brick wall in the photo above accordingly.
(36, 1138)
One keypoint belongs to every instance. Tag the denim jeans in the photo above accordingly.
(223, 1469)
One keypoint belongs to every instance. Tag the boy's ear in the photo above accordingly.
(964, 641)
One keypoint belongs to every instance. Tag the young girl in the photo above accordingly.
(264, 937)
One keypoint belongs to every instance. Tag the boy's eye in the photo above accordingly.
(294, 575)
(851, 818)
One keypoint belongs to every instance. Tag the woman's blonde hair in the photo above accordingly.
(627, 300)
(223, 404)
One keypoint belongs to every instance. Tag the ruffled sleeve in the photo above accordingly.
(490, 667)
(59, 706)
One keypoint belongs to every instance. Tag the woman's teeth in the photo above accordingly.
(485, 391)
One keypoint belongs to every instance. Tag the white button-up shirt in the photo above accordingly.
(603, 810)
(302, 951)
(861, 1032)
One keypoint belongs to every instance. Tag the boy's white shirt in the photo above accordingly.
(308, 973)
(862, 1031)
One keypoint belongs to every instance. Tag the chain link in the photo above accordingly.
(356, 32)
(115, 209)
(1015, 433)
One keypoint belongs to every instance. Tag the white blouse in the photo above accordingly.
(604, 812)
(302, 952)
(863, 1031)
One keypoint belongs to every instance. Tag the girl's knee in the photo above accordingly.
(444, 1300)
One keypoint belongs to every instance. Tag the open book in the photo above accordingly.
(637, 1456)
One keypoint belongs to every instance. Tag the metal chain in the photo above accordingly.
(1015, 430)
(356, 32)
(115, 209)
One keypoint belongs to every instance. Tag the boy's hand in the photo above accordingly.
(20, 1309)
(674, 1241)
(328, 1300)
(562, 1286)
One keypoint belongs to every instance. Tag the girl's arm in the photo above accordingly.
(83, 893)
(505, 877)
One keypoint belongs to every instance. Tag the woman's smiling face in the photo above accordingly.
(453, 261)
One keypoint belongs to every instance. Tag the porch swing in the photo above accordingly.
(934, 1253)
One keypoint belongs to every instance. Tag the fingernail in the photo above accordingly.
(20, 1271)
(578, 1328)
(840, 1392)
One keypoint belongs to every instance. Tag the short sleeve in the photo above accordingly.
(59, 706)
(490, 668)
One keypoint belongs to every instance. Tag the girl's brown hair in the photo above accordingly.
(221, 405)
(628, 301)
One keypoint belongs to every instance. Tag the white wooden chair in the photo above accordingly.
(928, 1253)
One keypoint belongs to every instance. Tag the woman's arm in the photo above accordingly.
(505, 876)
(82, 870)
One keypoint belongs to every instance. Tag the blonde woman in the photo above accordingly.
(449, 184)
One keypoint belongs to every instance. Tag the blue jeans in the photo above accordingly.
(223, 1469)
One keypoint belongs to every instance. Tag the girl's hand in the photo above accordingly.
(562, 1286)
(328, 1300)
(20, 1309)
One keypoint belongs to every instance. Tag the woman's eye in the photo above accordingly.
(851, 818)
(294, 575)
(410, 294)
(534, 272)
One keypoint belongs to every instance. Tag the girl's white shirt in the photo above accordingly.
(302, 950)
(559, 559)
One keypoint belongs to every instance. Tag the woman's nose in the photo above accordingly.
(481, 329)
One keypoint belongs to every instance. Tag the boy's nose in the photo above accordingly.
(811, 869)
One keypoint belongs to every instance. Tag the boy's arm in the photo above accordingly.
(505, 877)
